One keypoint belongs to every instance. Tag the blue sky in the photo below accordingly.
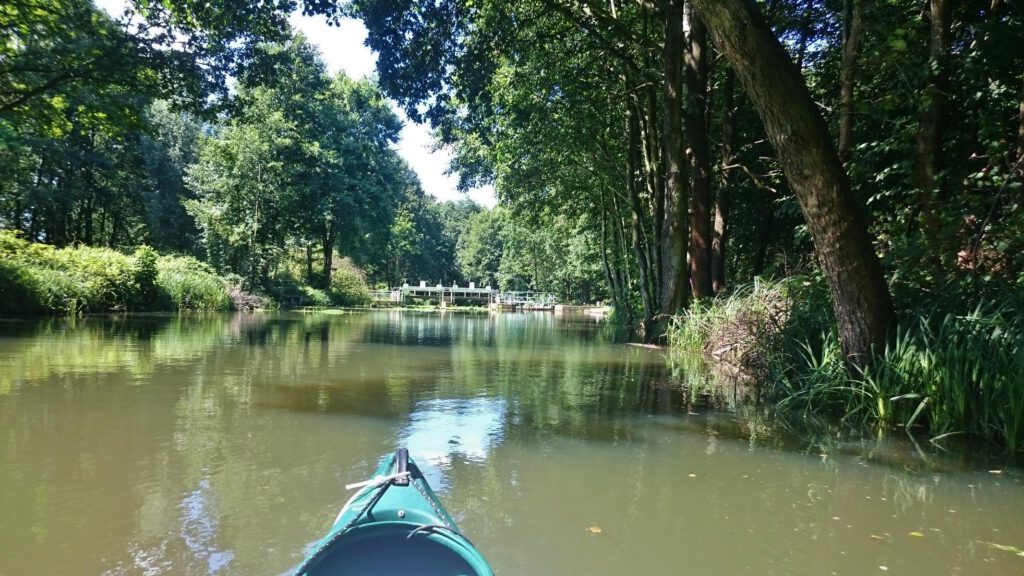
(343, 48)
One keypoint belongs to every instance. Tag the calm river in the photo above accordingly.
(222, 444)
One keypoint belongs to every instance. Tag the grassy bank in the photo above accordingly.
(946, 372)
(41, 279)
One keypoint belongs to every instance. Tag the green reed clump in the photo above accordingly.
(944, 373)
(189, 284)
(743, 331)
(39, 278)
(960, 372)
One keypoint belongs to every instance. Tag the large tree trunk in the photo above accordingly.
(639, 249)
(656, 179)
(722, 199)
(929, 135)
(860, 297)
(673, 291)
(699, 248)
(853, 18)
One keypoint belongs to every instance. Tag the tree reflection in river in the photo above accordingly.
(190, 445)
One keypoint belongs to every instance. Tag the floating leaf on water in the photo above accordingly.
(1004, 548)
(916, 534)
(594, 529)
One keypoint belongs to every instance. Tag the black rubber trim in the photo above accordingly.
(402, 465)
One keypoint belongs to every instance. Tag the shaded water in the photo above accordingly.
(221, 445)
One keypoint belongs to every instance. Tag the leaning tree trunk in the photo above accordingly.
(699, 248)
(673, 290)
(854, 17)
(860, 297)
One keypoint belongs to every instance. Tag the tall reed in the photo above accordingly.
(944, 371)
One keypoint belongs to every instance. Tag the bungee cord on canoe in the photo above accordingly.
(386, 527)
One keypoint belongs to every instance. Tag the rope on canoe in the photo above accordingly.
(377, 482)
(381, 484)
(437, 512)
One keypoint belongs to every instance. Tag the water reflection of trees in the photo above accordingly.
(233, 454)
(131, 347)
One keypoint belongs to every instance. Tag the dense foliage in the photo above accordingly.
(112, 134)
(42, 278)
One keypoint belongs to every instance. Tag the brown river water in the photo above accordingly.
(221, 445)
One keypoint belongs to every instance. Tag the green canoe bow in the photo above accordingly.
(394, 525)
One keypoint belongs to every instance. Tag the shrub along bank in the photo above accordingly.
(946, 372)
(43, 279)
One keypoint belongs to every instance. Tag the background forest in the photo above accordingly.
(217, 136)
(670, 156)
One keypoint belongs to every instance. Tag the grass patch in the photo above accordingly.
(39, 278)
(188, 284)
(945, 372)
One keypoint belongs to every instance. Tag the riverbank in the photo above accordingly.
(37, 279)
(40, 279)
(946, 371)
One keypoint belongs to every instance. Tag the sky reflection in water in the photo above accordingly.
(440, 429)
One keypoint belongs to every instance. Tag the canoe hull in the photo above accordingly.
(397, 527)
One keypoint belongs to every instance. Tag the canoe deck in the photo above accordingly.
(395, 525)
(390, 550)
